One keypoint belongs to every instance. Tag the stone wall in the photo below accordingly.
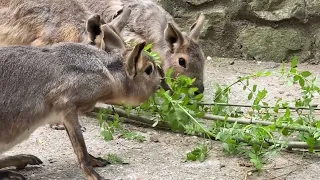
(263, 30)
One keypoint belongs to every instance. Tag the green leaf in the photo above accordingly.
(134, 136)
(301, 82)
(254, 89)
(192, 90)
(294, 61)
(285, 131)
(311, 142)
(276, 108)
(107, 135)
(250, 96)
(268, 73)
(191, 156)
(199, 153)
(114, 159)
(202, 157)
(199, 97)
(305, 74)
(200, 114)
(287, 113)
(259, 74)
(148, 47)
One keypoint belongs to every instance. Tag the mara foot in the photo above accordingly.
(58, 126)
(98, 161)
(9, 175)
(19, 161)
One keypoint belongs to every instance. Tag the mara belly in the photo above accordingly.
(27, 130)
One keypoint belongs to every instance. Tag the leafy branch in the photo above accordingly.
(265, 130)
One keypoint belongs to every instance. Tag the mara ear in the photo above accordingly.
(173, 36)
(93, 27)
(133, 59)
(111, 39)
(121, 19)
(195, 29)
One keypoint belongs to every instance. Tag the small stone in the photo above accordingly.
(154, 139)
(51, 161)
(209, 58)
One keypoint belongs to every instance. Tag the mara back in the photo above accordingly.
(43, 22)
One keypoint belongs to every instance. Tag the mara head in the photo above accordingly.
(186, 55)
(136, 75)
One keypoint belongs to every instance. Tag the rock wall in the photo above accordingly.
(263, 30)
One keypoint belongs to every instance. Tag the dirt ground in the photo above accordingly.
(165, 158)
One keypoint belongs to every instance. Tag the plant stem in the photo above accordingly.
(250, 106)
(249, 121)
(228, 87)
(123, 113)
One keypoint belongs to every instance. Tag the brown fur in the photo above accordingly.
(151, 23)
(43, 22)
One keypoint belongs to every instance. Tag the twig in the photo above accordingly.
(130, 118)
(272, 168)
(295, 144)
(228, 87)
(249, 121)
(250, 106)
(123, 113)
(134, 119)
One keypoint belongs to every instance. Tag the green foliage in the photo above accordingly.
(108, 128)
(180, 109)
(134, 136)
(114, 159)
(154, 55)
(184, 112)
(199, 153)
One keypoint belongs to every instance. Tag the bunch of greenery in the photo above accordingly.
(186, 113)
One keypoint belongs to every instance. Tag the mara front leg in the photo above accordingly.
(86, 161)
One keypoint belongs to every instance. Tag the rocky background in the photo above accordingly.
(262, 30)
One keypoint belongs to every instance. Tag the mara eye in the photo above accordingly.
(182, 62)
(149, 70)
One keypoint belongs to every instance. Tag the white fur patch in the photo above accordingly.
(127, 101)
(51, 118)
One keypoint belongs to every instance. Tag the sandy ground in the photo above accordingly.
(165, 159)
